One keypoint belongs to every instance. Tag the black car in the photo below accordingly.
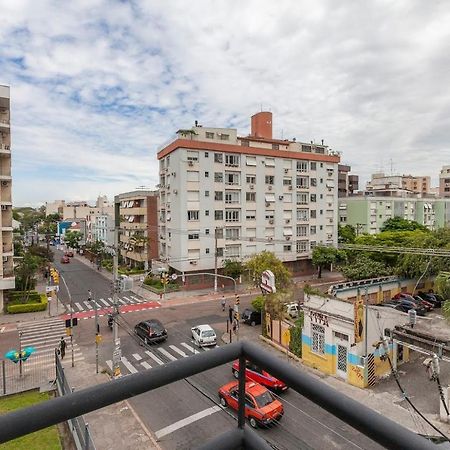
(150, 331)
(251, 317)
(429, 297)
(407, 305)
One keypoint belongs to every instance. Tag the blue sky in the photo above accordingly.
(98, 85)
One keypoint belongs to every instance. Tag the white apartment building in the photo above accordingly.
(7, 280)
(252, 193)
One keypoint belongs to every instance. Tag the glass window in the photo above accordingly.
(302, 166)
(313, 198)
(302, 246)
(193, 235)
(192, 215)
(250, 215)
(218, 195)
(209, 135)
(206, 155)
(218, 215)
(312, 229)
(218, 157)
(206, 174)
(287, 181)
(232, 178)
(232, 160)
(270, 179)
(206, 193)
(250, 196)
(218, 177)
(302, 215)
(317, 339)
(270, 162)
(302, 198)
(250, 160)
(313, 165)
(306, 148)
(232, 233)
(224, 137)
(232, 215)
(192, 156)
(232, 197)
(302, 182)
(302, 230)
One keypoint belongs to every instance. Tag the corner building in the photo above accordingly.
(236, 196)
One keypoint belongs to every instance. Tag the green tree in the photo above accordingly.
(258, 303)
(442, 283)
(265, 260)
(232, 268)
(72, 239)
(26, 271)
(295, 342)
(48, 227)
(41, 253)
(325, 256)
(399, 224)
(363, 267)
(346, 234)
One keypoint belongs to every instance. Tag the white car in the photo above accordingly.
(204, 335)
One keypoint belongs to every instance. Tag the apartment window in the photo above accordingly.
(218, 214)
(313, 182)
(250, 196)
(250, 160)
(194, 235)
(218, 195)
(287, 248)
(207, 212)
(312, 244)
(231, 178)
(206, 155)
(270, 198)
(232, 233)
(302, 198)
(343, 219)
(232, 215)
(313, 198)
(192, 175)
(220, 252)
(218, 177)
(206, 230)
(302, 246)
(224, 137)
(312, 229)
(219, 233)
(321, 212)
(206, 193)
(270, 179)
(232, 160)
(306, 148)
(302, 215)
(192, 215)
(251, 179)
(233, 251)
(302, 230)
(193, 196)
(218, 158)
(320, 150)
(302, 166)
(250, 215)
(321, 196)
(207, 251)
(192, 156)
(270, 162)
(206, 174)
(245, 143)
(287, 198)
(275, 147)
(312, 165)
(287, 181)
(209, 135)
(302, 182)
(317, 339)
(321, 181)
(232, 197)
(320, 227)
(269, 215)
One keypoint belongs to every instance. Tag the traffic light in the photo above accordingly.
(237, 300)
(164, 278)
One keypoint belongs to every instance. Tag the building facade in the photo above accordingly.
(368, 214)
(138, 241)
(7, 280)
(444, 182)
(232, 196)
(409, 183)
(347, 184)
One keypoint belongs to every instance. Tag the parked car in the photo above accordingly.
(69, 254)
(65, 260)
(430, 297)
(204, 335)
(261, 407)
(396, 306)
(407, 304)
(415, 299)
(255, 373)
(150, 331)
(251, 317)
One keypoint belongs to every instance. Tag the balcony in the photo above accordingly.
(4, 123)
(5, 149)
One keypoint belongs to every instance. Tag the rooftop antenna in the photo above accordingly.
(261, 107)
(392, 172)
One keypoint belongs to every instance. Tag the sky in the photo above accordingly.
(98, 86)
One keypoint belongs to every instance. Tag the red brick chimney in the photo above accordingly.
(262, 125)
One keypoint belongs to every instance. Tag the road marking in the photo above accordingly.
(167, 354)
(128, 300)
(104, 302)
(146, 365)
(79, 306)
(192, 349)
(89, 306)
(187, 421)
(155, 358)
(139, 300)
(177, 350)
(137, 357)
(128, 365)
(69, 308)
(121, 301)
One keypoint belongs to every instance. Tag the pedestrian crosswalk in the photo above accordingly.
(157, 356)
(102, 303)
(45, 336)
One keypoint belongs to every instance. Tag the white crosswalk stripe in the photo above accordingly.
(137, 357)
(78, 306)
(177, 350)
(88, 305)
(167, 354)
(128, 365)
(104, 302)
(146, 365)
(83, 305)
(155, 358)
(138, 300)
(190, 348)
(128, 300)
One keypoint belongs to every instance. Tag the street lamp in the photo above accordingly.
(97, 330)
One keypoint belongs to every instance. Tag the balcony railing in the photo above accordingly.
(377, 427)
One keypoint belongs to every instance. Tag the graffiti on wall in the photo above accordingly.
(358, 372)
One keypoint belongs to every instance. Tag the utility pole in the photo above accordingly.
(366, 301)
(215, 260)
(97, 331)
(71, 319)
(116, 346)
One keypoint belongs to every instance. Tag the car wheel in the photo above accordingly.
(253, 323)
(253, 422)
(235, 374)
(223, 402)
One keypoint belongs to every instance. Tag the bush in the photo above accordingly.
(28, 307)
(258, 303)
(22, 297)
(295, 343)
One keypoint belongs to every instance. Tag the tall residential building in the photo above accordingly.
(392, 183)
(7, 280)
(444, 182)
(347, 184)
(232, 196)
(138, 240)
(368, 214)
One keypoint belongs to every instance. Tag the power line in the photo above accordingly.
(398, 250)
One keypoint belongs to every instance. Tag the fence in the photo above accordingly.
(77, 425)
(36, 372)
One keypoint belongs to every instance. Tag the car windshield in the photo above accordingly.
(208, 333)
(264, 399)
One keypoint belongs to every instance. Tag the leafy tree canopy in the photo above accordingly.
(265, 260)
(346, 234)
(442, 284)
(324, 256)
(72, 239)
(400, 224)
(364, 267)
(232, 268)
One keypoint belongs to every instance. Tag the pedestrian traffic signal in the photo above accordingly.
(237, 300)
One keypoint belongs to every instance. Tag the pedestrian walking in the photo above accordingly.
(223, 303)
(230, 313)
(62, 348)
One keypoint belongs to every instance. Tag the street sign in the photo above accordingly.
(174, 276)
(268, 282)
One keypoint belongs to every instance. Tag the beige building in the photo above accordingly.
(382, 182)
(444, 182)
(7, 280)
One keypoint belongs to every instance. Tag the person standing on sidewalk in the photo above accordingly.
(230, 314)
(223, 303)
(62, 347)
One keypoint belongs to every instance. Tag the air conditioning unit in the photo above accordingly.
(288, 220)
(288, 238)
(270, 187)
(174, 174)
(267, 205)
(4, 207)
(290, 187)
(271, 221)
(175, 191)
(280, 197)
(271, 239)
(191, 163)
(286, 170)
(194, 263)
(252, 186)
(4, 183)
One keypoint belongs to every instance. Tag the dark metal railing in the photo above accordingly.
(382, 430)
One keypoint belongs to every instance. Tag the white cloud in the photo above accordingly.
(98, 85)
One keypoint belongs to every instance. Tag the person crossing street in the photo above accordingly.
(62, 347)
(223, 303)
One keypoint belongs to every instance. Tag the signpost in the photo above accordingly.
(268, 282)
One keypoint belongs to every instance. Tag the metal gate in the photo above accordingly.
(341, 368)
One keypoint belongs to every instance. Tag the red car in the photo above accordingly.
(70, 254)
(65, 259)
(261, 407)
(254, 373)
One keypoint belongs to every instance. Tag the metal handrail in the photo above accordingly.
(377, 427)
